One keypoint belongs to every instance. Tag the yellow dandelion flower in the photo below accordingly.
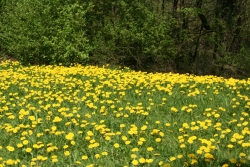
(158, 140)
(230, 146)
(66, 153)
(142, 160)
(172, 158)
(25, 142)
(127, 142)
(69, 136)
(84, 157)
(135, 149)
(209, 156)
(28, 150)
(149, 160)
(140, 143)
(97, 156)
(104, 153)
(233, 160)
(242, 154)
(182, 146)
(10, 148)
(174, 109)
(193, 161)
(135, 162)
(199, 151)
(150, 148)
(225, 165)
(19, 145)
(133, 156)
(116, 145)
(167, 124)
(180, 156)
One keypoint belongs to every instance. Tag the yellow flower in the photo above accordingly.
(199, 151)
(172, 158)
(57, 119)
(66, 153)
(127, 142)
(84, 157)
(32, 118)
(10, 148)
(160, 163)
(104, 153)
(116, 145)
(25, 142)
(230, 146)
(90, 133)
(180, 156)
(233, 160)
(69, 136)
(91, 165)
(135, 149)
(78, 162)
(135, 162)
(174, 109)
(242, 154)
(216, 115)
(133, 156)
(182, 146)
(97, 156)
(161, 134)
(209, 156)
(192, 156)
(124, 138)
(144, 127)
(149, 160)
(108, 138)
(157, 122)
(142, 160)
(28, 150)
(167, 124)
(140, 143)
(190, 141)
(150, 148)
(158, 140)
(53, 156)
(10, 162)
(193, 161)
(243, 160)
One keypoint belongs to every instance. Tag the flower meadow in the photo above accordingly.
(97, 116)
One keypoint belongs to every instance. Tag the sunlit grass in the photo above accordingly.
(91, 116)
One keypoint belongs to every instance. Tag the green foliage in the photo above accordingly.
(137, 38)
(45, 32)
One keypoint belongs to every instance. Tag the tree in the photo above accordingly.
(45, 32)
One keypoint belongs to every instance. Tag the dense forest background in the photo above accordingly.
(187, 36)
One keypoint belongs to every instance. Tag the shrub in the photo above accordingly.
(45, 32)
(134, 36)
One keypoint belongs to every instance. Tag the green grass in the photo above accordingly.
(90, 116)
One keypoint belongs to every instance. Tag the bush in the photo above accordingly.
(45, 32)
(134, 36)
